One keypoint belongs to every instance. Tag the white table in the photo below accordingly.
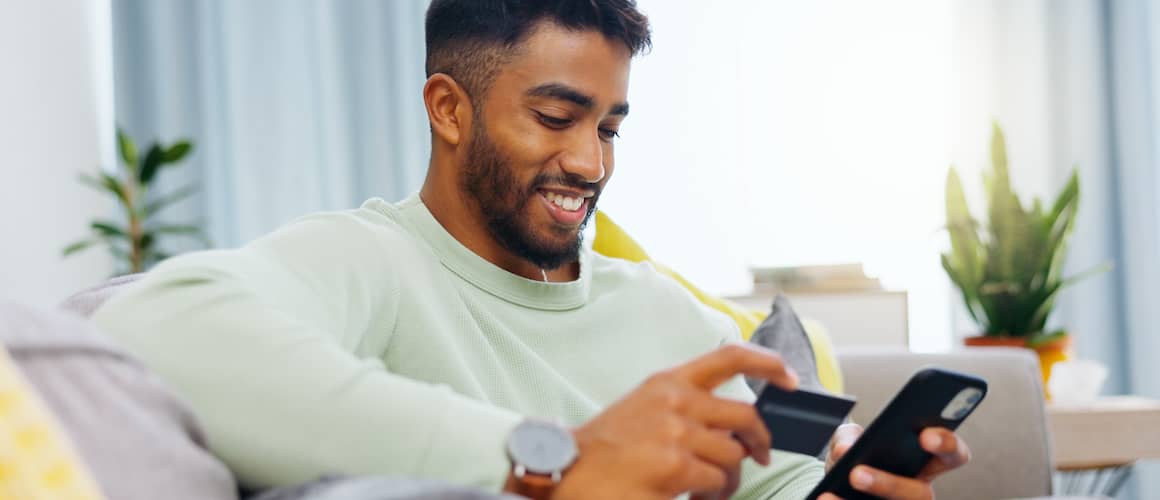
(1098, 442)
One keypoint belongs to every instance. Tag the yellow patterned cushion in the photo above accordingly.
(612, 241)
(37, 461)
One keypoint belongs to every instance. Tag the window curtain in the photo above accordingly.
(1075, 83)
(293, 106)
(1132, 35)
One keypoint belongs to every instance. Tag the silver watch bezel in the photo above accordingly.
(532, 429)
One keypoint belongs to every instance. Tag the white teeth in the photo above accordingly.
(565, 202)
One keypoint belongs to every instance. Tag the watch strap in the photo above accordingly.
(529, 485)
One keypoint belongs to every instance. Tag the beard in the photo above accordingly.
(489, 181)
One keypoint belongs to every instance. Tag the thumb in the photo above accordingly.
(843, 439)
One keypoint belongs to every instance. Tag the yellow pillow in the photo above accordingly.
(37, 461)
(612, 241)
(829, 372)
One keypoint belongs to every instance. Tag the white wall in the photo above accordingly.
(790, 133)
(56, 120)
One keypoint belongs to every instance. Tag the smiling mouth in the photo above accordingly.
(568, 208)
(569, 203)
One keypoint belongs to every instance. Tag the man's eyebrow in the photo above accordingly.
(562, 92)
(566, 93)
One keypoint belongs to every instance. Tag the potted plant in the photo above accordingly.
(135, 242)
(1010, 270)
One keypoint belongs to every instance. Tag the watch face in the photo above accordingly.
(541, 447)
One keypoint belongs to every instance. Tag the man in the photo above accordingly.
(416, 339)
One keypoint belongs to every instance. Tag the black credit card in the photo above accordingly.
(801, 421)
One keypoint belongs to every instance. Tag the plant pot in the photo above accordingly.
(1061, 349)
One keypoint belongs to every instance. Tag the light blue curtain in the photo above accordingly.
(294, 106)
(1104, 64)
(1133, 28)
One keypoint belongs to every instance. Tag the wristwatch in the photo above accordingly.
(541, 452)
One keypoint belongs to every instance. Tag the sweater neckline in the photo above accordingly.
(460, 260)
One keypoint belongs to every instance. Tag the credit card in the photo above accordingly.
(801, 421)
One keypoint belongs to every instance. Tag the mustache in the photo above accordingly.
(569, 180)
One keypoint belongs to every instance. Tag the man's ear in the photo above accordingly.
(448, 108)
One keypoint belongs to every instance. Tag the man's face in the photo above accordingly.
(541, 147)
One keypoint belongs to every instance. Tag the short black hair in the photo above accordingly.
(470, 39)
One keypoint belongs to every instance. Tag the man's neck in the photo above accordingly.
(471, 233)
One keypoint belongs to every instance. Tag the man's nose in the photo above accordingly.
(585, 157)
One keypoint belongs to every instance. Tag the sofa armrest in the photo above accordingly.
(139, 439)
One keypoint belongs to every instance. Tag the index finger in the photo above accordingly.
(714, 368)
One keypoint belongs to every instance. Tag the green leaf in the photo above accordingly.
(1046, 301)
(993, 321)
(147, 240)
(190, 230)
(154, 257)
(1043, 339)
(1069, 197)
(999, 155)
(151, 164)
(969, 297)
(78, 246)
(127, 149)
(178, 229)
(1058, 225)
(108, 229)
(177, 151)
(1100, 269)
(177, 195)
(1036, 309)
(1008, 221)
(109, 184)
(963, 231)
(93, 182)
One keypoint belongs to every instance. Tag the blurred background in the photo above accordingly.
(766, 138)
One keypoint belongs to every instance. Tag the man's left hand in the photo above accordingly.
(950, 452)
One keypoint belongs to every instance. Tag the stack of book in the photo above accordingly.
(813, 279)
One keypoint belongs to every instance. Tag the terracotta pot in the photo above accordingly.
(1061, 349)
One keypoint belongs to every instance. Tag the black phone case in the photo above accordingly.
(890, 442)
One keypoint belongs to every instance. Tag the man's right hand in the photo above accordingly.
(671, 435)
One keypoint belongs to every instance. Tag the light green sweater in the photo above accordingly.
(373, 342)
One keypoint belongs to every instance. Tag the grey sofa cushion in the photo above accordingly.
(140, 442)
(783, 332)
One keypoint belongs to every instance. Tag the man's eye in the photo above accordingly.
(609, 134)
(553, 121)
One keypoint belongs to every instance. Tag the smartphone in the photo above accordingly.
(933, 397)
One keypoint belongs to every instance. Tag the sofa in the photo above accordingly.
(102, 394)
